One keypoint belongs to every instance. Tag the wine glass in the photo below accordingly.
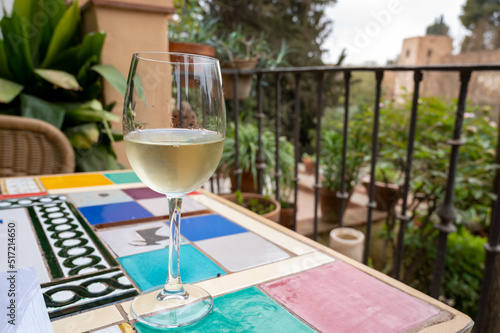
(174, 125)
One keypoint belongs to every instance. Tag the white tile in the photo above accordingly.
(139, 238)
(159, 206)
(242, 251)
(257, 227)
(27, 251)
(24, 185)
(97, 198)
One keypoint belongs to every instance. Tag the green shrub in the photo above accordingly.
(52, 72)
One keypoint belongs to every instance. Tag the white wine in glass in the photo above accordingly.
(174, 125)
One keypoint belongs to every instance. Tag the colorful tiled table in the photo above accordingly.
(96, 240)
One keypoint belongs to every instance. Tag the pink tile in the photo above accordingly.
(339, 298)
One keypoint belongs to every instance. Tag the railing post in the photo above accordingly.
(379, 75)
(296, 135)
(417, 78)
(277, 169)
(237, 171)
(317, 185)
(342, 194)
(491, 268)
(260, 161)
(446, 212)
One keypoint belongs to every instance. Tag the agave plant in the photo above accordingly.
(50, 71)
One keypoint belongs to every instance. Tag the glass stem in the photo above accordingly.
(173, 287)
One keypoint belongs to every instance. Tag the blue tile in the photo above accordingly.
(149, 269)
(208, 226)
(116, 212)
(247, 310)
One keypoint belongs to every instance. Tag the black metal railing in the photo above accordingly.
(446, 212)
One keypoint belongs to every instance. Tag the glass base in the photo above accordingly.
(173, 310)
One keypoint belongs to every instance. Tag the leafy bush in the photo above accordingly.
(49, 71)
(463, 274)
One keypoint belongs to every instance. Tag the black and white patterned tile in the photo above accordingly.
(80, 293)
(69, 244)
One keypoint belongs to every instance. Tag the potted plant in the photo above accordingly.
(260, 204)
(386, 191)
(55, 75)
(286, 198)
(191, 31)
(241, 50)
(248, 149)
(331, 163)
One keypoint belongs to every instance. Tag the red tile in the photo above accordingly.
(339, 298)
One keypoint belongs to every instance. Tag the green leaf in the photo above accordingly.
(89, 113)
(34, 107)
(30, 13)
(4, 67)
(59, 78)
(55, 10)
(83, 136)
(91, 46)
(99, 157)
(17, 49)
(113, 76)
(9, 90)
(63, 33)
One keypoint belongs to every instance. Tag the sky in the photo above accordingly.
(373, 30)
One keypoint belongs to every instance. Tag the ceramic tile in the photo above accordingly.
(98, 198)
(241, 251)
(159, 206)
(27, 251)
(349, 299)
(87, 321)
(139, 238)
(247, 310)
(149, 269)
(291, 244)
(76, 294)
(122, 328)
(114, 213)
(208, 226)
(74, 180)
(69, 245)
(20, 187)
(261, 274)
(31, 201)
(29, 307)
(143, 193)
(123, 177)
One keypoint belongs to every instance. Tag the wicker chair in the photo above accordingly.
(33, 147)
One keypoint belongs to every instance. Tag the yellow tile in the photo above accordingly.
(271, 234)
(74, 180)
(88, 320)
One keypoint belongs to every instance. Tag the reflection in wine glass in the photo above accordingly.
(174, 126)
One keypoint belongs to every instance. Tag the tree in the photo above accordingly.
(438, 27)
(301, 23)
(482, 18)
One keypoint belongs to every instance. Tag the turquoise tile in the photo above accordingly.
(123, 177)
(149, 269)
(247, 310)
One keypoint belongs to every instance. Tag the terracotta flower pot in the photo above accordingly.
(330, 205)
(192, 48)
(244, 81)
(385, 195)
(286, 217)
(273, 215)
(247, 183)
